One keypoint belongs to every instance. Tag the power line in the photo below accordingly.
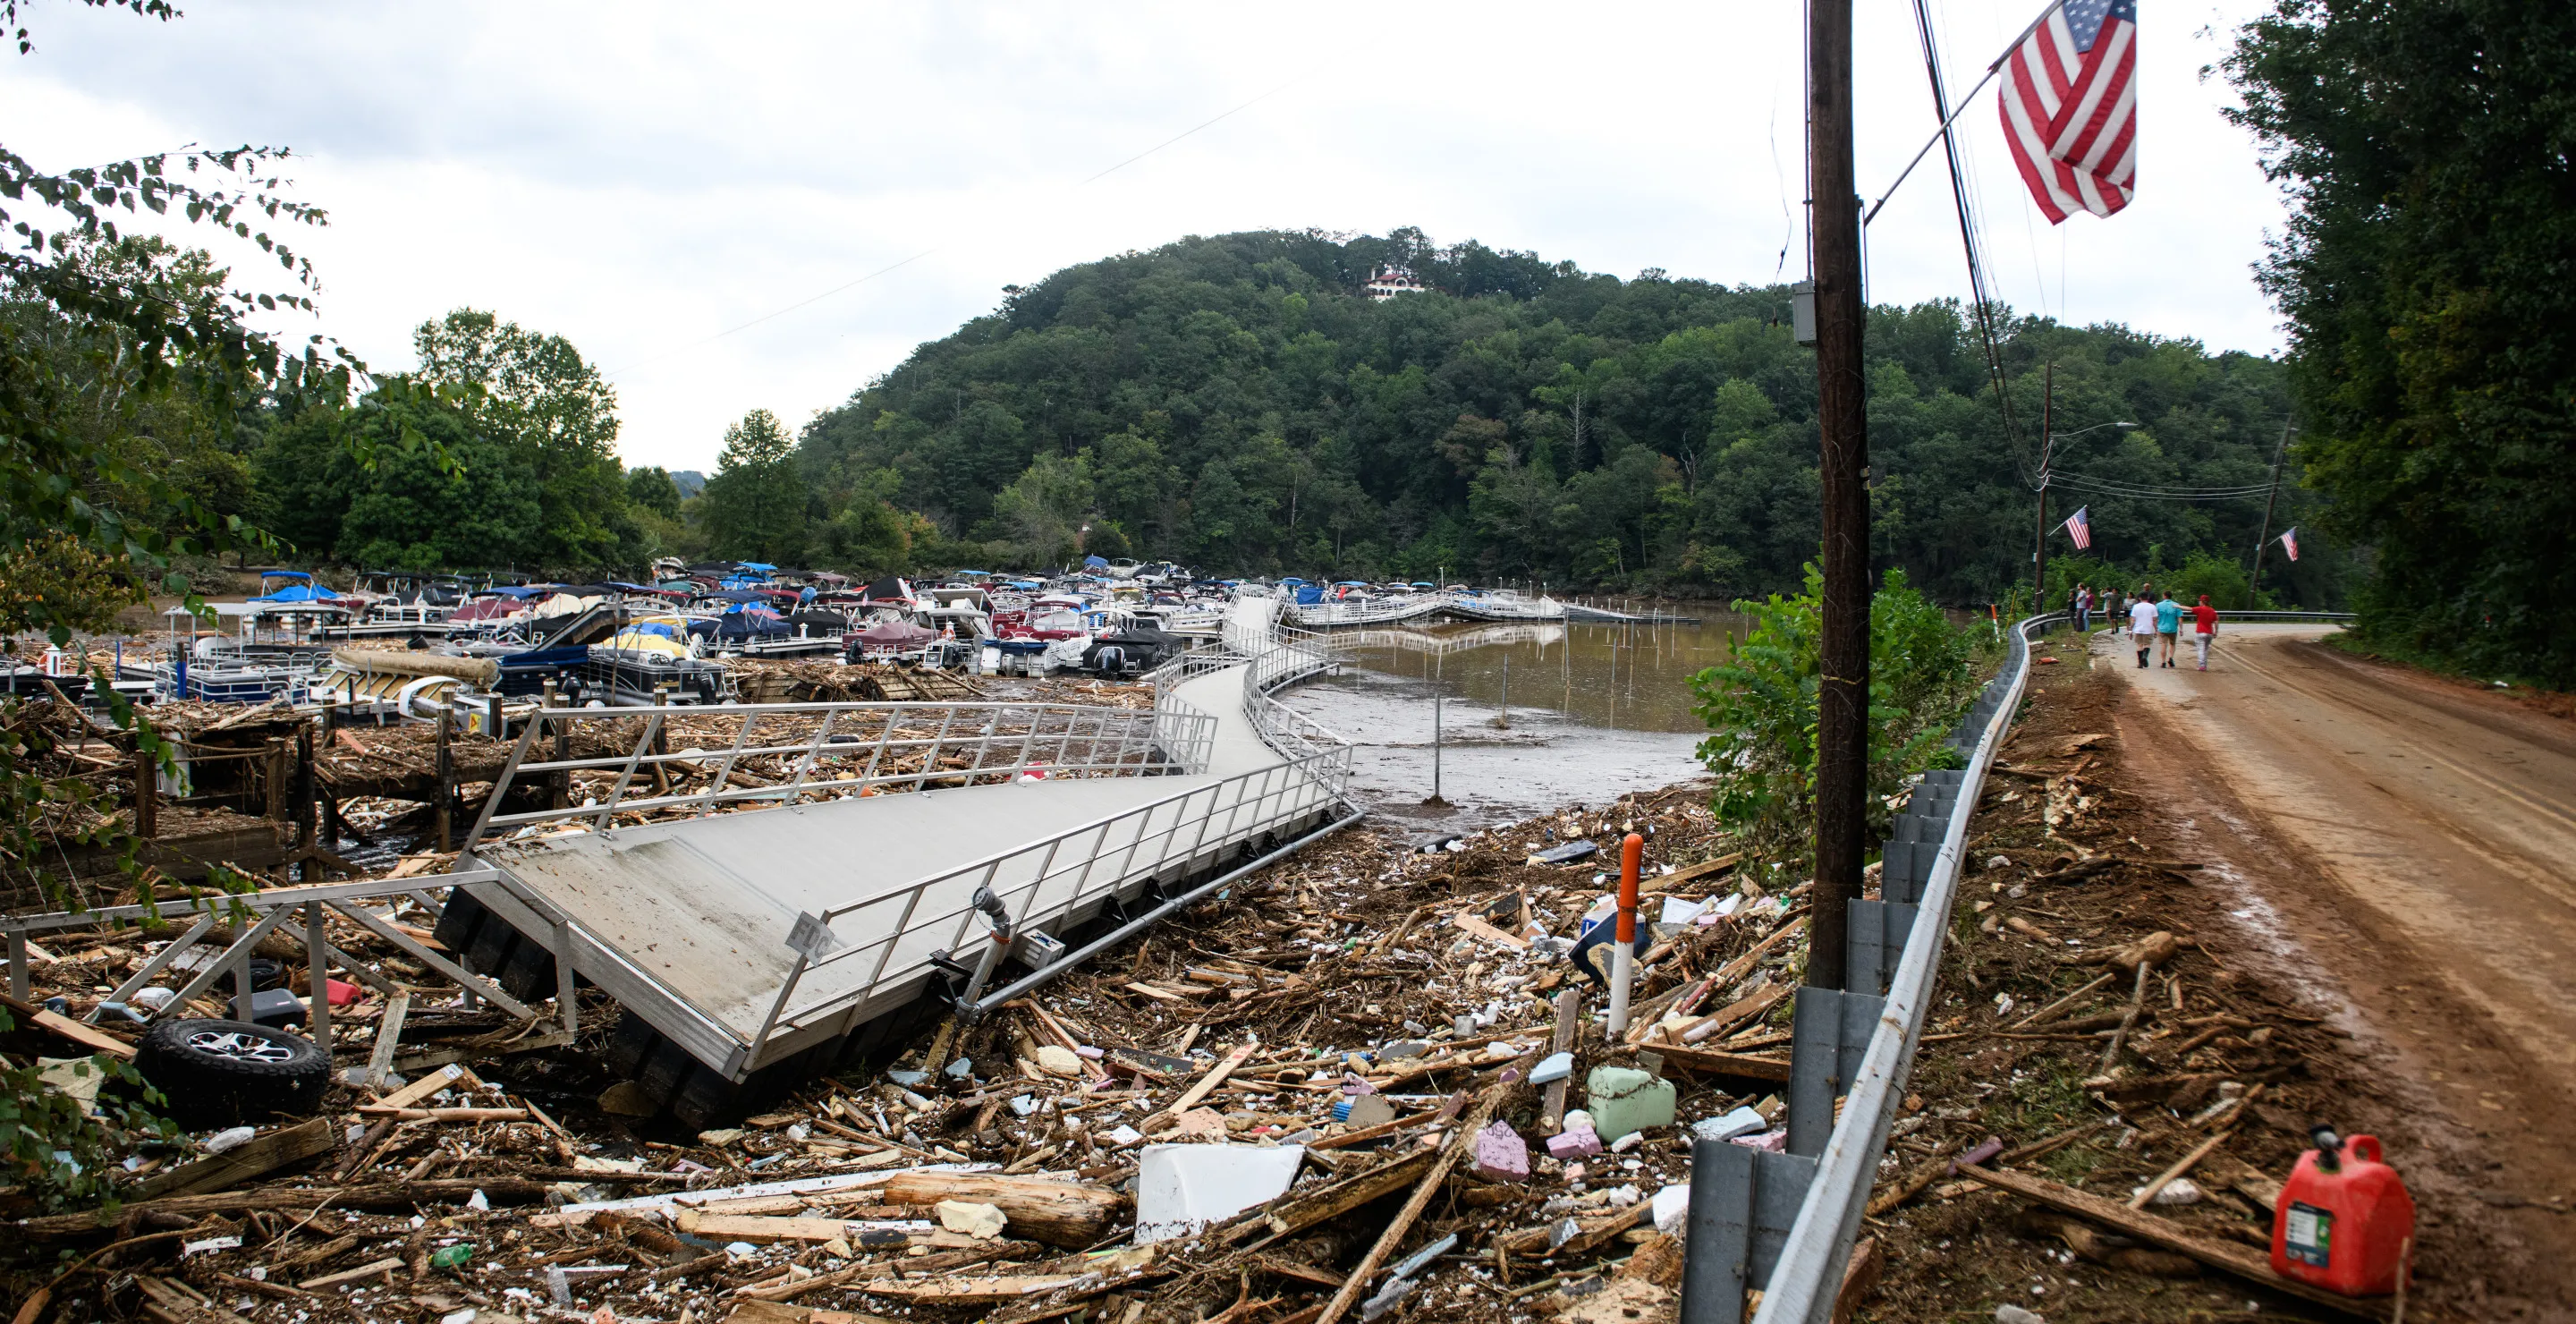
(2153, 492)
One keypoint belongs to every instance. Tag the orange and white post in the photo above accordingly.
(1623, 945)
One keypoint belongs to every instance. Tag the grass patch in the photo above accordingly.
(2358, 644)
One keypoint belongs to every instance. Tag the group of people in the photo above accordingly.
(2155, 620)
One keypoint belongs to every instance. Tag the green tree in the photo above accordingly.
(754, 503)
(1247, 408)
(142, 332)
(557, 418)
(1760, 707)
(2423, 275)
(412, 513)
(651, 489)
(1047, 509)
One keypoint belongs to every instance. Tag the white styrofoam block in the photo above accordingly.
(1182, 1188)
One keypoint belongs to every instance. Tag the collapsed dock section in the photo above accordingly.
(759, 910)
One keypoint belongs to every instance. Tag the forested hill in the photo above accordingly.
(1240, 404)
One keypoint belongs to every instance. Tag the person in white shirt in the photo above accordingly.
(2142, 628)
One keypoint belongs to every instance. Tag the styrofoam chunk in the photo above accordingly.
(1182, 1188)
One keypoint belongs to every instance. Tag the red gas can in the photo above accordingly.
(2344, 1218)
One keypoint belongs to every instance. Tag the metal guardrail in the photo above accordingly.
(837, 749)
(1807, 1271)
(2289, 617)
(257, 915)
(1487, 606)
(1169, 836)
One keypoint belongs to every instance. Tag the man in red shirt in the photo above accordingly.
(2204, 620)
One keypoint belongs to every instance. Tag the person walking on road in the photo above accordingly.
(2168, 628)
(2204, 620)
(2142, 627)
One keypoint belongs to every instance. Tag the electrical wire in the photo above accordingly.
(1970, 240)
(2112, 487)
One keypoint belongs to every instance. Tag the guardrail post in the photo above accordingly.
(317, 974)
(1828, 1035)
(1743, 1202)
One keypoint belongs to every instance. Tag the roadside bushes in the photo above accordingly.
(1760, 707)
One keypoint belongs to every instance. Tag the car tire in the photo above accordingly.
(225, 1073)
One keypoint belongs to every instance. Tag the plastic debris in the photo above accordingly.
(1182, 1188)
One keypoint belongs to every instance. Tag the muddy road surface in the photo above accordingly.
(2406, 846)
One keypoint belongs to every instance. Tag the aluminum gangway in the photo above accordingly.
(1500, 606)
(761, 908)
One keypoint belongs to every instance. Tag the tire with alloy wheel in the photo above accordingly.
(223, 1073)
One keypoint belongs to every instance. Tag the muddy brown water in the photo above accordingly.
(1529, 717)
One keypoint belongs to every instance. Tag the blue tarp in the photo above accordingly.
(753, 565)
(1309, 594)
(1095, 563)
(301, 593)
(521, 592)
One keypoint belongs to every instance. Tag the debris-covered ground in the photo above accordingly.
(2211, 1086)
(1394, 1016)
(1333, 1092)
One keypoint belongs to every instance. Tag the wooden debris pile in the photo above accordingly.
(1379, 1007)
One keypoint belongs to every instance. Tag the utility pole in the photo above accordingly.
(2263, 539)
(1842, 700)
(2047, 448)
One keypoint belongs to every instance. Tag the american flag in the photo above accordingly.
(2290, 542)
(2081, 530)
(2070, 102)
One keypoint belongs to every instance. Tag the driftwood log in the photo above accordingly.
(1055, 1212)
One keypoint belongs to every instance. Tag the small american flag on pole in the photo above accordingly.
(2081, 530)
(2070, 103)
(2290, 541)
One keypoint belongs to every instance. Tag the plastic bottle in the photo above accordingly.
(2344, 1218)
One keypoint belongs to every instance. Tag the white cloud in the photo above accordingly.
(643, 177)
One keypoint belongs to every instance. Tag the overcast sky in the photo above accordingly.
(646, 178)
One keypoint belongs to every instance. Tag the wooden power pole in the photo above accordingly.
(1842, 718)
(2263, 536)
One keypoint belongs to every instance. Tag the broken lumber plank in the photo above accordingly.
(1369, 1133)
(1058, 1213)
(447, 1077)
(1290, 1217)
(264, 1154)
(758, 1310)
(1734, 970)
(2164, 1232)
(373, 1195)
(368, 1270)
(759, 1230)
(1692, 874)
(974, 1291)
(1477, 926)
(1215, 1076)
(1743, 1066)
(445, 1114)
(1431, 1183)
(2181, 1165)
(87, 1036)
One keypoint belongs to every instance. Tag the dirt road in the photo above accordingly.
(2406, 846)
